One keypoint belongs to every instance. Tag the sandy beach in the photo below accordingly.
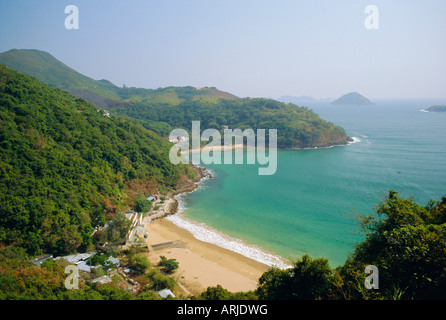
(201, 264)
(222, 148)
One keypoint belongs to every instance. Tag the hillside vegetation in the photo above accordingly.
(102, 93)
(165, 109)
(297, 127)
(65, 167)
(51, 71)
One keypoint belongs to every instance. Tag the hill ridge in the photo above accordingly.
(49, 70)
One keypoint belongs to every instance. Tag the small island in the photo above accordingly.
(352, 98)
(436, 108)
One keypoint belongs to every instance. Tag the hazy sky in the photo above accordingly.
(249, 48)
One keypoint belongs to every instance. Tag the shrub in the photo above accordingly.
(168, 265)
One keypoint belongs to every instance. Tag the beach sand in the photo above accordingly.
(202, 264)
(221, 147)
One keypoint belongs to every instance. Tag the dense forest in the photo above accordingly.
(65, 167)
(297, 127)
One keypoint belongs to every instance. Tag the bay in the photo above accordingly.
(311, 203)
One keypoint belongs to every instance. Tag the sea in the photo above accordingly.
(312, 203)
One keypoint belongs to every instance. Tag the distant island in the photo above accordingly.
(352, 98)
(301, 99)
(436, 108)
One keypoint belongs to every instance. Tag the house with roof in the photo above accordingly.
(165, 293)
(80, 260)
(113, 261)
(102, 280)
(40, 259)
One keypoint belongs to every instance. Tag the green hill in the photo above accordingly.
(297, 127)
(102, 93)
(164, 109)
(65, 168)
(51, 71)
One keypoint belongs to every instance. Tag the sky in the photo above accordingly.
(319, 48)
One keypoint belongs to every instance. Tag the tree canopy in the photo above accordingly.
(297, 127)
(65, 168)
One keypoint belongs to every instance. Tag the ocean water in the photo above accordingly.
(311, 203)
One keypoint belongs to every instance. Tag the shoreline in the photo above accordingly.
(212, 148)
(349, 142)
(206, 256)
(206, 234)
(201, 263)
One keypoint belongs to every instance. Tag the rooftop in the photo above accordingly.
(165, 293)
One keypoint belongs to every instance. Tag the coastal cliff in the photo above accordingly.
(185, 184)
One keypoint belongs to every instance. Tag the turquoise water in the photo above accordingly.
(310, 204)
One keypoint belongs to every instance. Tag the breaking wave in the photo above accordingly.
(208, 234)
